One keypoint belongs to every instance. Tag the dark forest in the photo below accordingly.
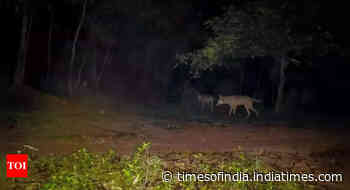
(115, 94)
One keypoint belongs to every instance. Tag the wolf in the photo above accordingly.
(206, 101)
(235, 101)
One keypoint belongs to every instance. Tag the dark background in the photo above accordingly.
(144, 50)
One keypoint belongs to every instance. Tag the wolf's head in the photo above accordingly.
(220, 100)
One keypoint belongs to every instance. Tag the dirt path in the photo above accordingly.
(295, 150)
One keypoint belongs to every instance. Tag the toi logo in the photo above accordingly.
(17, 165)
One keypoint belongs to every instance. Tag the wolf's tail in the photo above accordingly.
(256, 100)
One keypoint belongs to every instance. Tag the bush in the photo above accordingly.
(85, 170)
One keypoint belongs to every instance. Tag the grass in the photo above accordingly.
(108, 171)
(3, 181)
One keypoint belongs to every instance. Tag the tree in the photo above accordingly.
(49, 43)
(23, 6)
(74, 45)
(254, 29)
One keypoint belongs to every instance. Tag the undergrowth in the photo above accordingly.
(92, 171)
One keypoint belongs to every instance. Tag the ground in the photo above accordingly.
(58, 126)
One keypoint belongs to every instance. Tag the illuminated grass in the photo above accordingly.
(85, 170)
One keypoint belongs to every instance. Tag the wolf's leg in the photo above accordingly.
(209, 106)
(256, 111)
(230, 112)
(234, 108)
(248, 111)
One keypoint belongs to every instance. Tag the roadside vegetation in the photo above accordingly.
(142, 170)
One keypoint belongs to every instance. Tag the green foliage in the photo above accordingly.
(85, 170)
(253, 29)
(2, 169)
(142, 169)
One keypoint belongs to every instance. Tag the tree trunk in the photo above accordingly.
(80, 71)
(71, 63)
(49, 49)
(258, 90)
(280, 93)
(93, 70)
(106, 61)
(27, 43)
(21, 58)
(242, 76)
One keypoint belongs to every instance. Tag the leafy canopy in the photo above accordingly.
(254, 29)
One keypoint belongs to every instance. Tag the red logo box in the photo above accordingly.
(17, 165)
